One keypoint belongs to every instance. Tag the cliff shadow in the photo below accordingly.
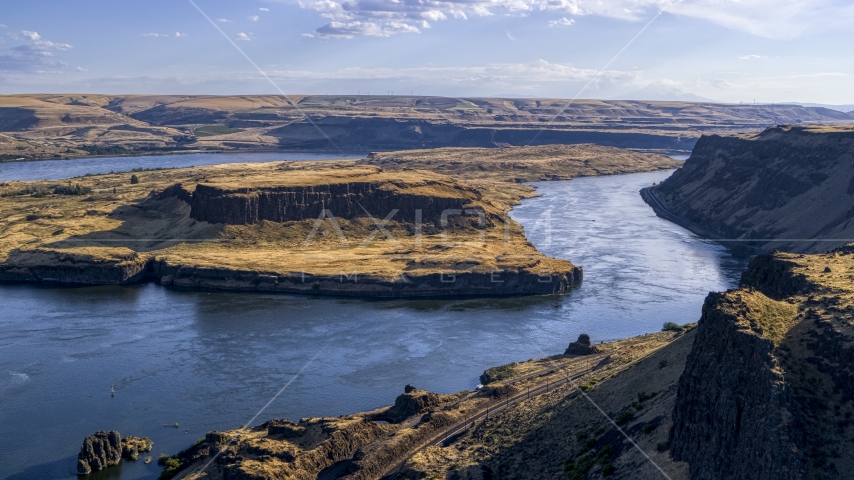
(147, 226)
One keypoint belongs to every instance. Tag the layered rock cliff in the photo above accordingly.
(244, 205)
(789, 188)
(767, 388)
(733, 416)
(113, 267)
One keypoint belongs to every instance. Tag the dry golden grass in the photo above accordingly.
(118, 218)
(532, 439)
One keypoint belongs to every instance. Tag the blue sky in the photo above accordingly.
(727, 50)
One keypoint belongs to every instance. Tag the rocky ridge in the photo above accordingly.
(69, 125)
(788, 188)
(766, 391)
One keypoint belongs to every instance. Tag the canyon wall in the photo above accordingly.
(245, 206)
(768, 390)
(733, 414)
(787, 188)
(515, 281)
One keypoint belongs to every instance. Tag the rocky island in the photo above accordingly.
(338, 227)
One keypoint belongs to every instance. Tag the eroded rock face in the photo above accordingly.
(105, 449)
(250, 205)
(413, 402)
(99, 451)
(43, 265)
(789, 182)
(581, 346)
(733, 413)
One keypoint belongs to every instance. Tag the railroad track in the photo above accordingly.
(483, 414)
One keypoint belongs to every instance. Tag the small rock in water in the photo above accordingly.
(132, 446)
(99, 451)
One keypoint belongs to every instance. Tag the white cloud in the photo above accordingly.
(517, 76)
(511, 37)
(242, 37)
(253, 18)
(36, 56)
(368, 29)
(263, 9)
(159, 35)
(308, 35)
(80, 69)
(561, 22)
(223, 20)
(501, 74)
(720, 84)
(2, 26)
(750, 57)
(765, 18)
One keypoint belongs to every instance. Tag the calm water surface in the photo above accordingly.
(57, 169)
(212, 360)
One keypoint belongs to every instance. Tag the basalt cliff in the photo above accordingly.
(427, 200)
(789, 188)
(767, 388)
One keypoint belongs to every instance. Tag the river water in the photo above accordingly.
(58, 169)
(211, 360)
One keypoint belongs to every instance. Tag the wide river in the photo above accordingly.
(57, 169)
(211, 360)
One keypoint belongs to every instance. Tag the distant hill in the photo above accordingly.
(661, 92)
(64, 126)
(842, 108)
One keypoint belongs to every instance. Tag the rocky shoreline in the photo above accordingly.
(71, 270)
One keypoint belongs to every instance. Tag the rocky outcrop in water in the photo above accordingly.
(788, 188)
(105, 449)
(133, 446)
(99, 451)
